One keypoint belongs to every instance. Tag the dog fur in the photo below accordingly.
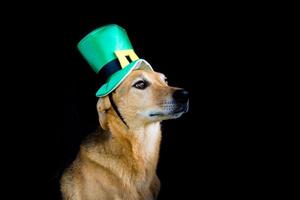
(119, 162)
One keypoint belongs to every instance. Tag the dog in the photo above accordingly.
(119, 160)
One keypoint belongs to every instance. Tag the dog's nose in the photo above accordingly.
(181, 96)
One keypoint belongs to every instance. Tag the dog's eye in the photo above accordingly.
(140, 85)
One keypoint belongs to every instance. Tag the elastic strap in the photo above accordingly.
(116, 108)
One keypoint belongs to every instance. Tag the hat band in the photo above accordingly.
(124, 58)
(108, 70)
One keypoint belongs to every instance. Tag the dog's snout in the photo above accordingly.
(181, 96)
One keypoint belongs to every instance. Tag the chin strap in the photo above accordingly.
(116, 108)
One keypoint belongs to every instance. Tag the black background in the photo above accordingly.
(219, 53)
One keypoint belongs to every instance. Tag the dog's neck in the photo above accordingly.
(144, 139)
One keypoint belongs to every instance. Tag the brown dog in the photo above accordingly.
(119, 161)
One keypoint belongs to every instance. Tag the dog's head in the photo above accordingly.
(145, 97)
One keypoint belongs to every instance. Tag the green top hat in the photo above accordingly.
(110, 54)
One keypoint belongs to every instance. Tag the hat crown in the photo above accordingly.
(99, 46)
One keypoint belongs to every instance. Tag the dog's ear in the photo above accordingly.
(103, 106)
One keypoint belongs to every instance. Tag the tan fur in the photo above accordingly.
(118, 162)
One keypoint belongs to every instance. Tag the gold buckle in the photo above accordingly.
(122, 56)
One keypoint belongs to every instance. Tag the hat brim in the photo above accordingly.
(117, 78)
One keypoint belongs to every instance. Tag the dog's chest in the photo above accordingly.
(150, 141)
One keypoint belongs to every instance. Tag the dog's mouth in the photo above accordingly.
(173, 112)
(157, 114)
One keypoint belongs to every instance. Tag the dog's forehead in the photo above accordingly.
(146, 74)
